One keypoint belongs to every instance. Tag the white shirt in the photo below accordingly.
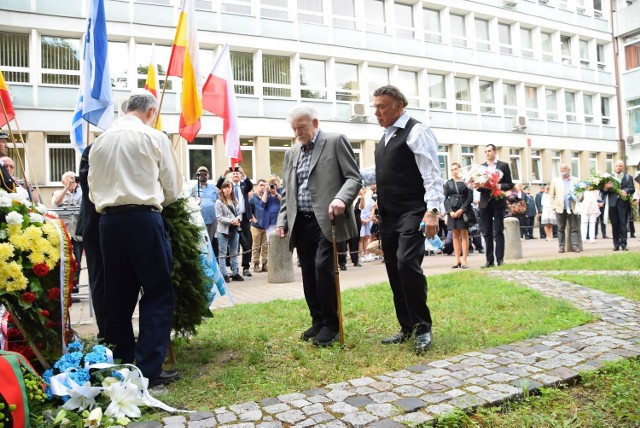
(424, 146)
(73, 199)
(132, 163)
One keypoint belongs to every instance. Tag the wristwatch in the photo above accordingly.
(434, 211)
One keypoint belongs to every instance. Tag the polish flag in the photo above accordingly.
(219, 98)
(151, 84)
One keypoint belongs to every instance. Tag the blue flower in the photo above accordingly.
(74, 347)
(80, 376)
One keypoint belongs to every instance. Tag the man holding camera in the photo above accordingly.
(241, 188)
(71, 196)
(207, 195)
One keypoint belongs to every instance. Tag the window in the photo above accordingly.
(463, 94)
(526, 42)
(357, 152)
(277, 149)
(14, 57)
(246, 148)
(604, 110)
(565, 49)
(562, 4)
(201, 153)
(487, 99)
(602, 66)
(344, 15)
(443, 159)
(60, 60)
(552, 104)
(310, 11)
(482, 35)
(431, 22)
(587, 101)
(584, 54)
(593, 162)
(536, 166)
(408, 84)
(62, 157)
(468, 157)
(437, 92)
(597, 8)
(547, 47)
(161, 55)
(580, 8)
(458, 31)
(514, 163)
(313, 79)
(570, 106)
(242, 65)
(632, 51)
(555, 163)
(11, 152)
(531, 101)
(378, 77)
(575, 164)
(404, 20)
(240, 7)
(609, 163)
(277, 9)
(347, 82)
(374, 15)
(276, 76)
(509, 99)
(633, 107)
(504, 36)
(118, 65)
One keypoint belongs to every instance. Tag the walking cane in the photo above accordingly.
(337, 276)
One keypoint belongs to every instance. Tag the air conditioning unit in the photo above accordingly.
(632, 140)
(359, 112)
(545, 2)
(510, 3)
(520, 123)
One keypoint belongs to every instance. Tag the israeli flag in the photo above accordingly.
(95, 103)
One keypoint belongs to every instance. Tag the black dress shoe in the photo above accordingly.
(423, 342)
(357, 264)
(227, 278)
(488, 265)
(343, 266)
(164, 378)
(396, 338)
(500, 262)
(624, 248)
(326, 337)
(246, 272)
(616, 248)
(237, 277)
(480, 251)
(311, 332)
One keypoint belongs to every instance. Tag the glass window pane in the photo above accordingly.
(378, 77)
(374, 14)
(14, 52)
(431, 22)
(458, 30)
(408, 83)
(486, 97)
(276, 70)
(504, 35)
(343, 14)
(313, 79)
(437, 91)
(509, 99)
(346, 82)
(404, 20)
(482, 34)
(63, 56)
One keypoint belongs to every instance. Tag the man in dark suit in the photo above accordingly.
(410, 193)
(619, 205)
(530, 213)
(321, 180)
(241, 188)
(492, 209)
(538, 204)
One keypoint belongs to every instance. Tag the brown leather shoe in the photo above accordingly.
(575, 249)
(264, 267)
(256, 268)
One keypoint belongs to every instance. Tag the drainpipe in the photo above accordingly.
(616, 54)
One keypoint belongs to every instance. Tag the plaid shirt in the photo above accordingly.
(302, 172)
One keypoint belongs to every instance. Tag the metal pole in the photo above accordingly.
(337, 277)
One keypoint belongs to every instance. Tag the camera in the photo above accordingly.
(272, 186)
(76, 179)
(236, 169)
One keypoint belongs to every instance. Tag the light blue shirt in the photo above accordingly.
(208, 197)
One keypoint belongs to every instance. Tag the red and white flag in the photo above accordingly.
(219, 98)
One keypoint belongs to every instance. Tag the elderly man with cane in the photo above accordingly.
(321, 181)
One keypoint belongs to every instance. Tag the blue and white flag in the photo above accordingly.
(95, 103)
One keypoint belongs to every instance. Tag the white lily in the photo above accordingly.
(82, 396)
(133, 376)
(124, 400)
(94, 418)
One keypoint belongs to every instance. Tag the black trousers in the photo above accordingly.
(353, 250)
(403, 248)
(618, 217)
(315, 253)
(77, 254)
(246, 243)
(493, 223)
(95, 269)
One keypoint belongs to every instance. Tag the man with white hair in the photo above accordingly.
(71, 196)
(133, 174)
(6, 180)
(618, 196)
(321, 180)
(11, 169)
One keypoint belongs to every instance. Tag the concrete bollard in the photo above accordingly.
(512, 243)
(280, 260)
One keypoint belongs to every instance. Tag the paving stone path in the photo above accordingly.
(421, 393)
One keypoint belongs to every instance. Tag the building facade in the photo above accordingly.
(535, 78)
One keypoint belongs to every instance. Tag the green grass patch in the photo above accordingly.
(251, 352)
(621, 261)
(621, 285)
(606, 398)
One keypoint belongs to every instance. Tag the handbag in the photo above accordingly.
(518, 208)
(468, 215)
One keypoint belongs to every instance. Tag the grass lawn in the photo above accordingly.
(617, 261)
(626, 286)
(251, 352)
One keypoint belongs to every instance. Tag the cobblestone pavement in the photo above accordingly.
(421, 393)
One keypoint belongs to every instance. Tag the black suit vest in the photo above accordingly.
(6, 181)
(398, 179)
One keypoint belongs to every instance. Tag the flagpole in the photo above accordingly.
(164, 87)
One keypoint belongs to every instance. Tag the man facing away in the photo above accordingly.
(410, 192)
(133, 174)
(564, 202)
(618, 206)
(492, 209)
(321, 179)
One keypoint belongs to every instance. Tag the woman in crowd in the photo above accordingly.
(548, 217)
(590, 211)
(367, 207)
(228, 231)
(458, 199)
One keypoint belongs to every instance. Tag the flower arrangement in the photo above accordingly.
(35, 253)
(482, 177)
(597, 181)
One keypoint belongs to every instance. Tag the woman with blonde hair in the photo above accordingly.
(228, 231)
(458, 199)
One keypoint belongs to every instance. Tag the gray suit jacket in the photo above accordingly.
(333, 174)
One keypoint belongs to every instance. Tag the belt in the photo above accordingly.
(307, 215)
(130, 208)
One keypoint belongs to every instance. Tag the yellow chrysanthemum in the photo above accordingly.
(36, 257)
(52, 234)
(20, 241)
(6, 251)
(33, 233)
(11, 277)
(14, 229)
